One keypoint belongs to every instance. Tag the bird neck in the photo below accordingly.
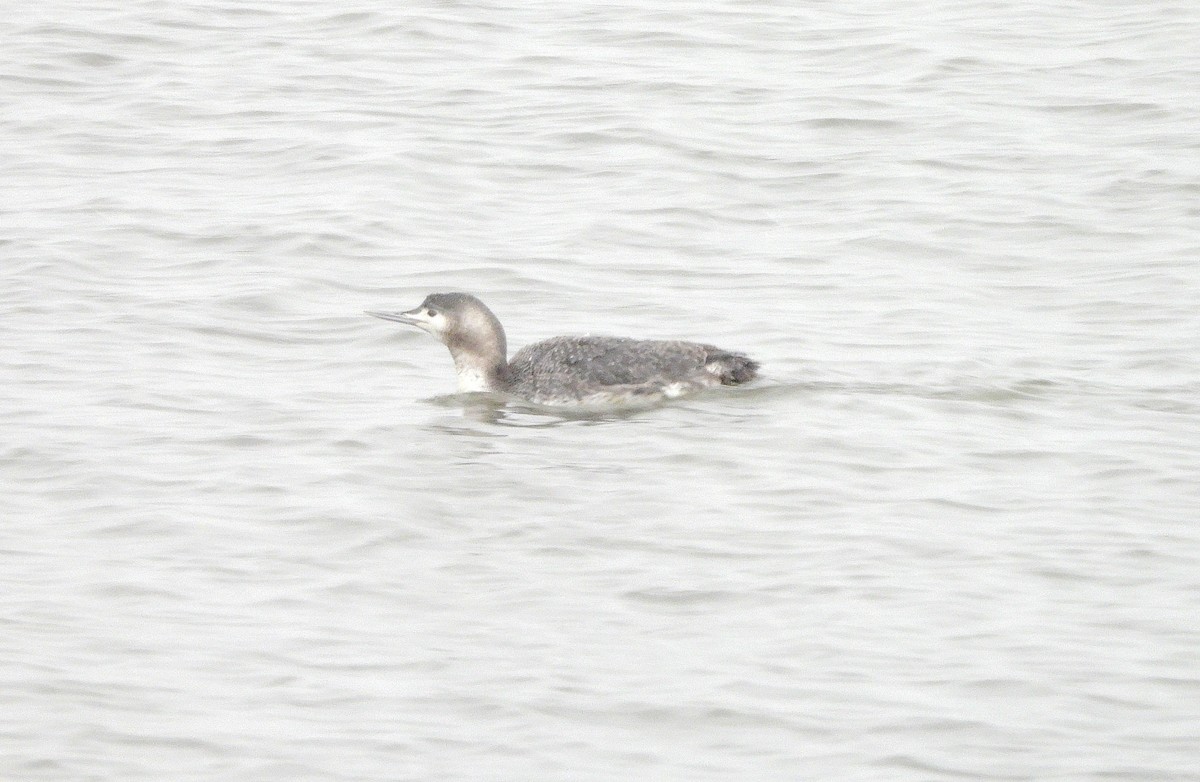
(477, 372)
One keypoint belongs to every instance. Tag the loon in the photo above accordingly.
(569, 370)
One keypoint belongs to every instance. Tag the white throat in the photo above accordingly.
(471, 379)
(473, 373)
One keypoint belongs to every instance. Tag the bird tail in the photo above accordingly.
(731, 368)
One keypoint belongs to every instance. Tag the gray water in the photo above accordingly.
(249, 533)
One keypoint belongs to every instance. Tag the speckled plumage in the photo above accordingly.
(570, 370)
(566, 368)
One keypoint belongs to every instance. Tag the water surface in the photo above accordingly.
(249, 533)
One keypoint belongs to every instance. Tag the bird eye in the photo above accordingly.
(431, 313)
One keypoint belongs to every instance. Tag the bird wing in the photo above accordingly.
(609, 361)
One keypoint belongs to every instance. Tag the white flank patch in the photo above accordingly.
(673, 390)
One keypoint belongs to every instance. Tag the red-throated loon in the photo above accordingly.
(569, 370)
